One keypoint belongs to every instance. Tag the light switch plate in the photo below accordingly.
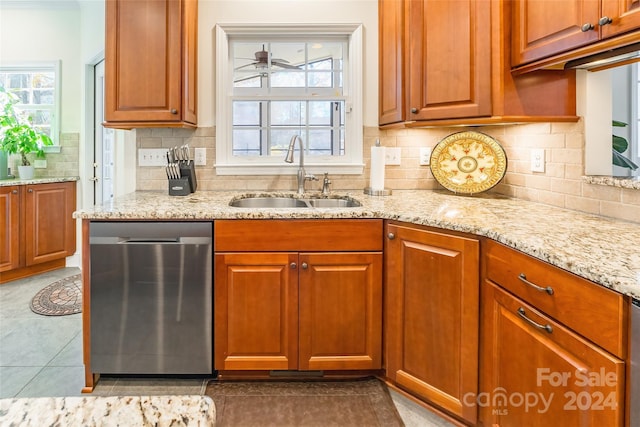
(425, 156)
(537, 160)
(392, 156)
(152, 156)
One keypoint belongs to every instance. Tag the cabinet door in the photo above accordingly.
(50, 230)
(391, 65)
(340, 311)
(624, 14)
(431, 291)
(9, 228)
(536, 372)
(256, 311)
(542, 28)
(143, 60)
(449, 53)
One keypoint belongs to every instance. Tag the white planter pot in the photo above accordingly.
(25, 172)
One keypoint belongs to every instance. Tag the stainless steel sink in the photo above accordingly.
(290, 202)
(269, 202)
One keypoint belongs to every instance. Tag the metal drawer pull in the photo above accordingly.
(391, 236)
(548, 289)
(305, 265)
(523, 314)
(293, 265)
(587, 27)
(605, 20)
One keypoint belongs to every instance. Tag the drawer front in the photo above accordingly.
(298, 235)
(591, 310)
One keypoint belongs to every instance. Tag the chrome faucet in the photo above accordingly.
(302, 175)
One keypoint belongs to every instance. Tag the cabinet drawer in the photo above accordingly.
(298, 235)
(593, 311)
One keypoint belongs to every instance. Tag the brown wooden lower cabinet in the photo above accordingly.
(298, 311)
(432, 303)
(536, 372)
(37, 228)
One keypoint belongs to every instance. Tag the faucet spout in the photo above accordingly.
(302, 175)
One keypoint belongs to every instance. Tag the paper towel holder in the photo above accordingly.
(384, 192)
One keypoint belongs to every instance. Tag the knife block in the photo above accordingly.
(179, 186)
(188, 170)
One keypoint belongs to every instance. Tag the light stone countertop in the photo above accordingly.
(599, 249)
(151, 411)
(48, 180)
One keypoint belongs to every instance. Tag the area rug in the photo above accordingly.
(303, 403)
(60, 298)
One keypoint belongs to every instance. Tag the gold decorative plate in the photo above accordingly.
(468, 162)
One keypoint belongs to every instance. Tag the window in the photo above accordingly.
(38, 91)
(278, 82)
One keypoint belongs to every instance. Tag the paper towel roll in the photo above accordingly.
(376, 177)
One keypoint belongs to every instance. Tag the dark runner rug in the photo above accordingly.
(60, 298)
(303, 403)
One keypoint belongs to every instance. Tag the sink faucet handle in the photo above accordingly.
(325, 183)
(310, 177)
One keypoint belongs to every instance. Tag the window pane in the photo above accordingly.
(43, 96)
(320, 141)
(280, 139)
(287, 55)
(18, 81)
(246, 142)
(247, 79)
(320, 79)
(319, 53)
(320, 112)
(43, 80)
(287, 79)
(287, 113)
(246, 113)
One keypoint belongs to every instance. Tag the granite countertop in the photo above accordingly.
(48, 180)
(152, 411)
(599, 249)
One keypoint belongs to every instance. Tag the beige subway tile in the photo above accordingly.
(169, 142)
(567, 127)
(620, 211)
(541, 141)
(566, 186)
(573, 171)
(515, 179)
(527, 194)
(162, 132)
(205, 131)
(574, 140)
(539, 182)
(631, 196)
(183, 133)
(551, 198)
(582, 204)
(505, 189)
(530, 128)
(567, 155)
(555, 170)
(143, 132)
(601, 192)
(369, 131)
(149, 142)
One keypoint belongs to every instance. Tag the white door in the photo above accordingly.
(104, 139)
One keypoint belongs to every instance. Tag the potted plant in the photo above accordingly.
(18, 136)
(620, 145)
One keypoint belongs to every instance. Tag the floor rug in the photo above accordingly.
(60, 298)
(303, 403)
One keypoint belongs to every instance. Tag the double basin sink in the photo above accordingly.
(290, 202)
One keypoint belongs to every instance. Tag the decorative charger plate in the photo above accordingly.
(468, 162)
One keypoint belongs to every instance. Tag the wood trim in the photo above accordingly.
(20, 273)
(89, 379)
(298, 235)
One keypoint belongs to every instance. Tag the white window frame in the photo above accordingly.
(44, 66)
(349, 163)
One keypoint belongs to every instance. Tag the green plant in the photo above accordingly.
(620, 145)
(17, 134)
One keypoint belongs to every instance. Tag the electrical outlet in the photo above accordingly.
(425, 156)
(537, 160)
(200, 157)
(392, 156)
(152, 156)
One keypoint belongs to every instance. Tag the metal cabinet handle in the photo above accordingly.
(14, 192)
(587, 27)
(523, 278)
(605, 20)
(414, 110)
(305, 266)
(174, 111)
(523, 314)
(294, 265)
(30, 190)
(391, 236)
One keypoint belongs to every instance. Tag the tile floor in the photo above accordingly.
(42, 356)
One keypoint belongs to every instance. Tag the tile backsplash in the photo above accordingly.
(560, 185)
(62, 164)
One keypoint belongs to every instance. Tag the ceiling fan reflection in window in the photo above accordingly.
(261, 61)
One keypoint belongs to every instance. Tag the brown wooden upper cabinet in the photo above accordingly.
(446, 62)
(151, 63)
(542, 28)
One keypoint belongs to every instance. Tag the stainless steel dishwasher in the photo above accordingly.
(151, 297)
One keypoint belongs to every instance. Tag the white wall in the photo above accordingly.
(212, 12)
(38, 34)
